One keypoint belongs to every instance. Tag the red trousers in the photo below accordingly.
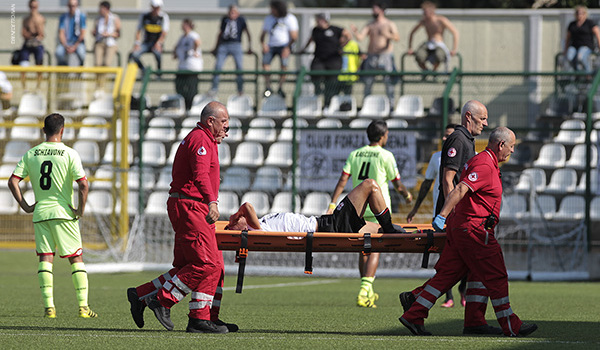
(197, 263)
(469, 249)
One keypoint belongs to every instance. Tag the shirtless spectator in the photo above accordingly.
(381, 32)
(433, 50)
(33, 34)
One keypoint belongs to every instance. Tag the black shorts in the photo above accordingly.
(344, 219)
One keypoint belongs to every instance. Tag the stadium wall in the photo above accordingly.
(490, 40)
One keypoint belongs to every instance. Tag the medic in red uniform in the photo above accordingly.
(471, 246)
(192, 207)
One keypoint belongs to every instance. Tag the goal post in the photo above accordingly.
(95, 102)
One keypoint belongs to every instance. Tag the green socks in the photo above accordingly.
(45, 279)
(366, 286)
(80, 282)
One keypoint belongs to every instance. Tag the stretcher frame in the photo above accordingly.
(418, 239)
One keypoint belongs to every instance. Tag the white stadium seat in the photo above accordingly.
(14, 150)
(316, 203)
(309, 107)
(88, 150)
(551, 156)
(268, 179)
(562, 181)
(513, 207)
(249, 153)
(99, 202)
(240, 106)
(153, 153)
(571, 137)
(282, 203)
(235, 133)
(26, 132)
(273, 107)
(262, 130)
(102, 107)
(259, 200)
(161, 129)
(530, 176)
(329, 123)
(92, 130)
(287, 132)
(236, 179)
(157, 203)
(171, 106)
(571, 207)
(224, 154)
(409, 107)
(32, 105)
(375, 106)
(280, 154)
(229, 203)
(577, 159)
(8, 204)
(348, 104)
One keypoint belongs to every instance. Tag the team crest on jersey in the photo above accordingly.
(202, 151)
(473, 177)
(452, 152)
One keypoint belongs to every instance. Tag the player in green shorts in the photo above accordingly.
(52, 167)
(371, 162)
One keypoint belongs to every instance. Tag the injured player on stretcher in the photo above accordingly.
(346, 218)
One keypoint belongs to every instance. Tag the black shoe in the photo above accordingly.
(231, 327)
(483, 329)
(416, 329)
(163, 315)
(406, 299)
(281, 93)
(526, 329)
(137, 307)
(204, 326)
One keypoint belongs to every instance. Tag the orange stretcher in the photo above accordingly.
(419, 239)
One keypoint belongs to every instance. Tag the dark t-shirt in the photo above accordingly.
(232, 29)
(327, 42)
(458, 148)
(582, 36)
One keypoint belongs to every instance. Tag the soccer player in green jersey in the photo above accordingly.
(371, 162)
(52, 167)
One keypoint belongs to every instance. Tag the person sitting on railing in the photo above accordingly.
(33, 34)
(71, 33)
(579, 43)
(189, 55)
(229, 42)
(155, 25)
(433, 50)
(328, 54)
(107, 29)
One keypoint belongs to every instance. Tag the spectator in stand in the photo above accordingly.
(71, 33)
(351, 58)
(282, 28)
(433, 50)
(579, 43)
(229, 42)
(328, 54)
(155, 26)
(189, 55)
(107, 29)
(382, 33)
(6, 91)
(33, 34)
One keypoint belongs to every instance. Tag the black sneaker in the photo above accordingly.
(163, 315)
(204, 326)
(406, 299)
(483, 329)
(137, 307)
(281, 93)
(526, 329)
(415, 329)
(231, 327)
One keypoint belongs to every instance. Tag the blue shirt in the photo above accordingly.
(232, 29)
(72, 27)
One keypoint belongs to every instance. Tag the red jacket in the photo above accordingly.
(196, 171)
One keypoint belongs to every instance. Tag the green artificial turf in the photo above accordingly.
(280, 313)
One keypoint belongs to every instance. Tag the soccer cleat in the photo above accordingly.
(526, 329)
(231, 327)
(163, 315)
(136, 306)
(448, 303)
(406, 299)
(50, 312)
(86, 312)
(364, 301)
(415, 329)
(483, 329)
(205, 326)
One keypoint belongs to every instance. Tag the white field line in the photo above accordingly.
(283, 285)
